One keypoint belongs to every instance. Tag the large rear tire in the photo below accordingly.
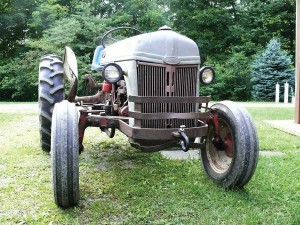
(51, 91)
(65, 154)
(235, 165)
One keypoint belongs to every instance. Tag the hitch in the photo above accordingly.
(110, 133)
(183, 139)
(109, 128)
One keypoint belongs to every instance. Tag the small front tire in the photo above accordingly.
(65, 154)
(235, 165)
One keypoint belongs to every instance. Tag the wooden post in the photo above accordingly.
(286, 92)
(277, 93)
(297, 87)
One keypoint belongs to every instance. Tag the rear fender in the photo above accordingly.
(71, 72)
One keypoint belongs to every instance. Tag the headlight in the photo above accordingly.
(207, 75)
(112, 73)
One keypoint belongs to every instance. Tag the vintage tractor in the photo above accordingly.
(150, 93)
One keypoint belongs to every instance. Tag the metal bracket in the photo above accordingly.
(217, 140)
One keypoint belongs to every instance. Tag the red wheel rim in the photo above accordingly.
(220, 160)
(229, 145)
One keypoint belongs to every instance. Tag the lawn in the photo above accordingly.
(120, 185)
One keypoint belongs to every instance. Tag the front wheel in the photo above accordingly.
(233, 164)
(65, 154)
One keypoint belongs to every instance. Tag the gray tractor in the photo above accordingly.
(150, 93)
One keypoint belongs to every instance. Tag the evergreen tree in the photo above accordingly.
(271, 66)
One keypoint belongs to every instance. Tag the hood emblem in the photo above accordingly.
(172, 60)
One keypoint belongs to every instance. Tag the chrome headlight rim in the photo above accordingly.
(202, 77)
(110, 77)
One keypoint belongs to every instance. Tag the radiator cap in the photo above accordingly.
(165, 27)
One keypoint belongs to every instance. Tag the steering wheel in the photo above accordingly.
(118, 34)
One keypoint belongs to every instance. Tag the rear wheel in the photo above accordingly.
(51, 91)
(232, 165)
(65, 154)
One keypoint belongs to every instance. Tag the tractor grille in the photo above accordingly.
(165, 80)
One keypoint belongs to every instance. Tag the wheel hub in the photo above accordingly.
(224, 144)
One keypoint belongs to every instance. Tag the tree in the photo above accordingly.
(80, 31)
(207, 23)
(146, 15)
(225, 30)
(43, 16)
(232, 79)
(271, 66)
(14, 16)
(259, 21)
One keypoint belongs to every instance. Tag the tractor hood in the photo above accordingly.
(163, 46)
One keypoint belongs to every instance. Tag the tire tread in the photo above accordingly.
(51, 91)
(65, 154)
(245, 158)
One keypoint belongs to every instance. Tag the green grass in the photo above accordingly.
(120, 185)
(270, 138)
